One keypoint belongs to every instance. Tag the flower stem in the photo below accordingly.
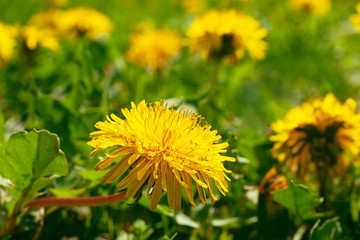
(77, 201)
(215, 77)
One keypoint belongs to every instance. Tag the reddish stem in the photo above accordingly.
(77, 201)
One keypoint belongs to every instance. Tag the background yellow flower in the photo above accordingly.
(35, 37)
(85, 21)
(8, 35)
(355, 18)
(317, 134)
(153, 47)
(315, 7)
(165, 148)
(227, 34)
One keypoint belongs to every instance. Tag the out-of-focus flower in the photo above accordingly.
(58, 3)
(273, 181)
(85, 21)
(153, 47)
(49, 20)
(165, 149)
(35, 37)
(8, 35)
(355, 18)
(319, 135)
(193, 6)
(315, 7)
(226, 35)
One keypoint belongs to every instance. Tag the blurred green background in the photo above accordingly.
(80, 84)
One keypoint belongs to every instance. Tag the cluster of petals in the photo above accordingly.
(227, 34)
(320, 124)
(355, 18)
(74, 22)
(8, 35)
(314, 7)
(163, 148)
(152, 47)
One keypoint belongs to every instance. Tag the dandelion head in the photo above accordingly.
(153, 47)
(164, 149)
(227, 35)
(8, 35)
(355, 18)
(319, 134)
(35, 37)
(193, 6)
(273, 181)
(80, 21)
(314, 7)
(49, 20)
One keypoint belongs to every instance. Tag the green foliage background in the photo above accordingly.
(66, 92)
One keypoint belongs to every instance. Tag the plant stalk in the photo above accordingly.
(76, 201)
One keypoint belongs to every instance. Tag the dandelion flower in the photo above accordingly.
(193, 6)
(273, 181)
(315, 7)
(153, 47)
(49, 20)
(85, 21)
(355, 18)
(8, 35)
(35, 37)
(227, 34)
(321, 134)
(165, 149)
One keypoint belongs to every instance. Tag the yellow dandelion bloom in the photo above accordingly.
(193, 6)
(315, 7)
(227, 34)
(153, 47)
(322, 133)
(165, 149)
(58, 3)
(8, 35)
(35, 37)
(85, 21)
(273, 181)
(355, 18)
(50, 20)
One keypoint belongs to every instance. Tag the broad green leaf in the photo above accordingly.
(297, 198)
(330, 229)
(26, 157)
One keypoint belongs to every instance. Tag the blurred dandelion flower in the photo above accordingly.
(58, 3)
(319, 135)
(153, 47)
(85, 21)
(193, 6)
(8, 35)
(226, 35)
(164, 148)
(49, 20)
(273, 181)
(315, 7)
(35, 37)
(355, 18)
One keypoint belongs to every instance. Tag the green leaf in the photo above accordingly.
(226, 222)
(330, 229)
(297, 198)
(26, 157)
(184, 220)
